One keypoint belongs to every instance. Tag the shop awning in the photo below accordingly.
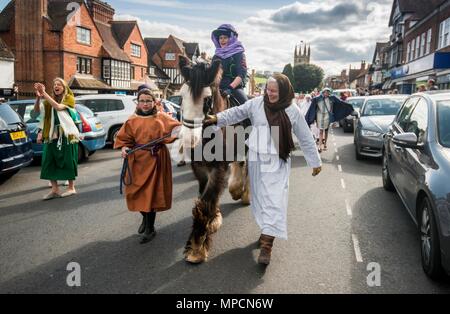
(387, 84)
(87, 83)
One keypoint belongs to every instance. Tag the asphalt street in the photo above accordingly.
(342, 226)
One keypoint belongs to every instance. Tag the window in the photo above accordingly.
(382, 107)
(428, 47)
(408, 52)
(84, 35)
(107, 69)
(444, 34)
(135, 50)
(132, 72)
(418, 123)
(422, 44)
(142, 72)
(170, 56)
(443, 115)
(152, 71)
(405, 113)
(104, 105)
(417, 47)
(413, 49)
(84, 65)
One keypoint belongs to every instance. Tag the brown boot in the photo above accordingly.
(266, 243)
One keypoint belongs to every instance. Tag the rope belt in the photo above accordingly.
(153, 147)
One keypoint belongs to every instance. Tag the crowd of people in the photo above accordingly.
(148, 189)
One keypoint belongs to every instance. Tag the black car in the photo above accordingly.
(416, 163)
(15, 142)
(348, 122)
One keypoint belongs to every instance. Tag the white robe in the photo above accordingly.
(269, 175)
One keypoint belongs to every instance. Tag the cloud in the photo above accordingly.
(340, 33)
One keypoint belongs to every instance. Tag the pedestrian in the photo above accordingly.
(422, 88)
(304, 108)
(432, 85)
(325, 110)
(395, 92)
(270, 183)
(60, 135)
(150, 189)
(231, 53)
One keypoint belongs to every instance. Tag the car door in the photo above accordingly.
(395, 152)
(116, 112)
(415, 162)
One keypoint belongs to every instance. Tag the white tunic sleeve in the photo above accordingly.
(234, 115)
(306, 139)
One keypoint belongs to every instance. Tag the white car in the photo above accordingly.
(113, 110)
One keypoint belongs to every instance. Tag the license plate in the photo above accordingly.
(99, 126)
(18, 135)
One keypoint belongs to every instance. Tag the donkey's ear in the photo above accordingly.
(185, 67)
(213, 71)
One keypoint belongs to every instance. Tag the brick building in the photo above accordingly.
(76, 40)
(163, 60)
(419, 47)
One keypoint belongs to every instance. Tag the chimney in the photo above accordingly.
(101, 11)
(363, 65)
(29, 41)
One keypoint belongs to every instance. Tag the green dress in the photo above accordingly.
(59, 163)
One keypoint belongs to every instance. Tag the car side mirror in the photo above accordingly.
(407, 140)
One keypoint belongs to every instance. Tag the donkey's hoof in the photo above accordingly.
(245, 199)
(192, 258)
(236, 194)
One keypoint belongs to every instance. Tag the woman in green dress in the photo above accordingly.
(59, 135)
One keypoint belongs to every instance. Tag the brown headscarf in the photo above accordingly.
(277, 116)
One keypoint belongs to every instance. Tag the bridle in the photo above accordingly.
(208, 105)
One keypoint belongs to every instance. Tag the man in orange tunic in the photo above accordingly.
(150, 190)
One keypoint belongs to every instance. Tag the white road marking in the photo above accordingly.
(337, 157)
(340, 168)
(334, 144)
(335, 150)
(358, 255)
(343, 183)
(348, 207)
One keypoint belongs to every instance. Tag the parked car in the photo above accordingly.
(416, 163)
(113, 110)
(93, 133)
(176, 100)
(15, 143)
(373, 122)
(350, 92)
(172, 109)
(347, 123)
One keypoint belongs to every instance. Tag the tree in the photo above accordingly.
(288, 71)
(307, 77)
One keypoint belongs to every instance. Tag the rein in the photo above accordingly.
(152, 147)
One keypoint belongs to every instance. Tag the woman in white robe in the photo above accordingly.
(269, 169)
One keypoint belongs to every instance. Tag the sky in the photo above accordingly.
(340, 32)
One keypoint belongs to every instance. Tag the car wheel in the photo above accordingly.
(387, 182)
(113, 134)
(81, 153)
(358, 156)
(429, 238)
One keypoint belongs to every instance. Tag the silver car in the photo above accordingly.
(377, 114)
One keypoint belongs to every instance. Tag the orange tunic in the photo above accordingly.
(151, 187)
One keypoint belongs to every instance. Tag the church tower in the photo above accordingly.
(302, 54)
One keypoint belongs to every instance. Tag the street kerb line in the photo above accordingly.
(343, 183)
(348, 207)
(357, 249)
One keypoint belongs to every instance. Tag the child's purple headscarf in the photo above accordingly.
(234, 45)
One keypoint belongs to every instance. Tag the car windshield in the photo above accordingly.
(443, 115)
(85, 111)
(382, 107)
(8, 117)
(356, 103)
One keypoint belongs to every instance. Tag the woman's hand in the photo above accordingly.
(316, 171)
(210, 120)
(37, 89)
(125, 152)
